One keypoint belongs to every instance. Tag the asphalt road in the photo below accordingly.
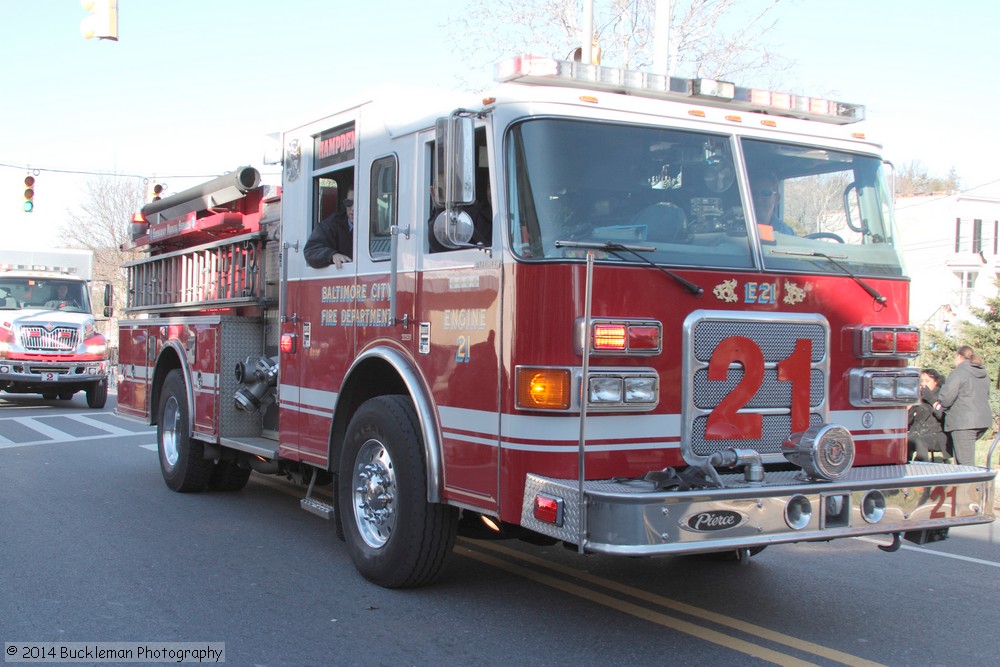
(94, 548)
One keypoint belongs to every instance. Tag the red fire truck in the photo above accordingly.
(636, 314)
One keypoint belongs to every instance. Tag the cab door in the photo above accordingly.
(459, 333)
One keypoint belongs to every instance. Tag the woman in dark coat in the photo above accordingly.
(965, 398)
(926, 432)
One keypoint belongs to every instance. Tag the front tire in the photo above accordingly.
(97, 394)
(182, 460)
(395, 538)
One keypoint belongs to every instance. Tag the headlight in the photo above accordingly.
(605, 390)
(884, 386)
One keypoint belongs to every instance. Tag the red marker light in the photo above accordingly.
(548, 509)
(908, 342)
(884, 341)
(643, 337)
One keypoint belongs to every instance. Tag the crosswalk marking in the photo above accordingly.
(51, 433)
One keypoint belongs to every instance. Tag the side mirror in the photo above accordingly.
(109, 299)
(454, 162)
(455, 231)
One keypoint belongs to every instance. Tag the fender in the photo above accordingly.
(418, 392)
(162, 367)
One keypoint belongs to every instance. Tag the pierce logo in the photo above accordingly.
(706, 522)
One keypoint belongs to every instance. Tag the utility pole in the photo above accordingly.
(661, 38)
(587, 42)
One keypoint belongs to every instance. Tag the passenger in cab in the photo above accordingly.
(332, 240)
(766, 197)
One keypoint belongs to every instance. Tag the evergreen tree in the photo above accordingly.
(983, 335)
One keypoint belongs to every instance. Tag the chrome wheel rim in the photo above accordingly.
(171, 427)
(374, 483)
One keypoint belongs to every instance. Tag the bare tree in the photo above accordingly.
(101, 224)
(913, 178)
(722, 39)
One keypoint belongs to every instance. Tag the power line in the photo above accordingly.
(82, 172)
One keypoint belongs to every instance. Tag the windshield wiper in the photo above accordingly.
(615, 248)
(872, 292)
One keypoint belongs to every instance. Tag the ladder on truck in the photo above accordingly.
(220, 274)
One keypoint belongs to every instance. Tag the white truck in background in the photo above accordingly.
(49, 343)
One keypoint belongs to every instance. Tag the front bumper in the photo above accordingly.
(632, 518)
(30, 375)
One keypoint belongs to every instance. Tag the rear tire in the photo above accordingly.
(228, 476)
(182, 460)
(66, 396)
(97, 394)
(395, 538)
(49, 397)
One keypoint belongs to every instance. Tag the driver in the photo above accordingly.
(765, 194)
(60, 297)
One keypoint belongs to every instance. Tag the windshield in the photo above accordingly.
(669, 190)
(810, 201)
(22, 293)
(677, 195)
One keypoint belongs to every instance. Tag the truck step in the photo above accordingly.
(317, 507)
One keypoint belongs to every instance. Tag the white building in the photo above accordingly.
(951, 246)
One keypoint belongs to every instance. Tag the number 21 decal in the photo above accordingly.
(726, 422)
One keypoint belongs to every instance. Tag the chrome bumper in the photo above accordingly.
(632, 518)
(52, 372)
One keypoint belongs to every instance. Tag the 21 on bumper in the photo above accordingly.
(630, 518)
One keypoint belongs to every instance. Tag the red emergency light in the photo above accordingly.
(641, 337)
(887, 342)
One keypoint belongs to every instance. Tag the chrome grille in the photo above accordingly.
(59, 339)
(775, 429)
(776, 336)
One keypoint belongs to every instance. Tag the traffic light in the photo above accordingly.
(102, 21)
(154, 191)
(29, 194)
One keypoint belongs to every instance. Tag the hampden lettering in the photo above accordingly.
(342, 143)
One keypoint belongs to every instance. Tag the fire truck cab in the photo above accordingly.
(638, 314)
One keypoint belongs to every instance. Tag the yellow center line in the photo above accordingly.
(639, 611)
(690, 610)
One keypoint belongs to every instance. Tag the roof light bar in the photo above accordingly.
(527, 69)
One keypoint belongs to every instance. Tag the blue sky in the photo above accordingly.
(193, 85)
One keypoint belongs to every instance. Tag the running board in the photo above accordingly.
(317, 507)
(314, 505)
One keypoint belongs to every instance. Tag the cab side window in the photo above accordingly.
(382, 206)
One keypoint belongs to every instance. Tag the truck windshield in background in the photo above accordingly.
(678, 192)
(21, 293)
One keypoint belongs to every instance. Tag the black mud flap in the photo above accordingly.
(926, 536)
